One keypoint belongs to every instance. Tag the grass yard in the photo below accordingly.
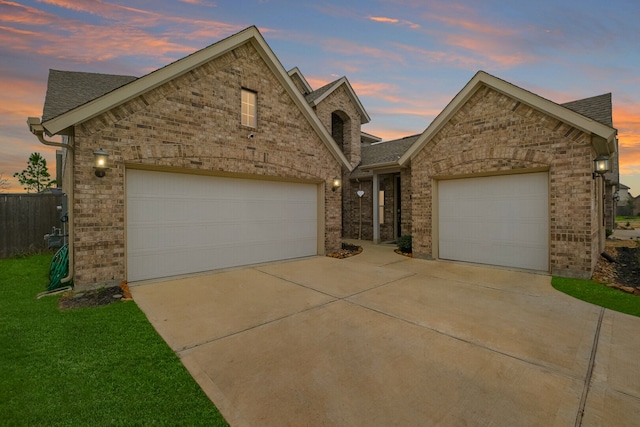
(92, 366)
(598, 294)
(633, 221)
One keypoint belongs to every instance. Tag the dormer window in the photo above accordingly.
(249, 108)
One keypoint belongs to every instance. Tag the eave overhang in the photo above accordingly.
(602, 137)
(62, 123)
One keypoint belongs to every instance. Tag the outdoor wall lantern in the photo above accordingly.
(336, 184)
(600, 166)
(101, 162)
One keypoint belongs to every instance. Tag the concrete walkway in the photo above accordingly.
(381, 339)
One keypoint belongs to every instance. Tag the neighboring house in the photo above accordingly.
(622, 198)
(223, 158)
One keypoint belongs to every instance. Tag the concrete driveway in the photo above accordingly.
(381, 339)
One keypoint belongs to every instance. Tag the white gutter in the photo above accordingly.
(36, 128)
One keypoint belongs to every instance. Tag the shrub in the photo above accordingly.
(404, 244)
(609, 232)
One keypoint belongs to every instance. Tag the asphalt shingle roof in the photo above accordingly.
(597, 108)
(382, 152)
(319, 92)
(67, 90)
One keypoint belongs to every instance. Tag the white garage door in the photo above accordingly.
(499, 220)
(180, 223)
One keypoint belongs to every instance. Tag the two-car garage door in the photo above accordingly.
(498, 220)
(182, 223)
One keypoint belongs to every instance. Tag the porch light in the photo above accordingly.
(336, 184)
(101, 162)
(600, 166)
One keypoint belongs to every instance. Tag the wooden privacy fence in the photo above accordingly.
(25, 219)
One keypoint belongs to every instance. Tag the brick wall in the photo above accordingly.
(192, 123)
(387, 182)
(353, 213)
(493, 133)
(339, 101)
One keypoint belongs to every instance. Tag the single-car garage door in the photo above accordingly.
(182, 223)
(498, 220)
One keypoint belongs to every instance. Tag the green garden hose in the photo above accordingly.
(59, 268)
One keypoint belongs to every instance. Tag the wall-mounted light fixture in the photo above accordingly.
(600, 166)
(101, 162)
(336, 184)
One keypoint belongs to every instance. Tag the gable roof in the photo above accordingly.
(317, 96)
(67, 90)
(367, 138)
(60, 123)
(295, 73)
(602, 136)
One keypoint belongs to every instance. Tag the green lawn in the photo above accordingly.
(91, 366)
(627, 218)
(595, 293)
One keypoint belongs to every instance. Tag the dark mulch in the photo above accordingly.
(346, 251)
(93, 298)
(628, 267)
(624, 271)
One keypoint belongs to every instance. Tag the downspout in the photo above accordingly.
(36, 128)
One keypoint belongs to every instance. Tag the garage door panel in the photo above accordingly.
(500, 220)
(178, 223)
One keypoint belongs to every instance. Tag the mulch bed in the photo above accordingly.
(346, 251)
(624, 273)
(94, 298)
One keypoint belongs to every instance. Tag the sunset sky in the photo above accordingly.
(405, 59)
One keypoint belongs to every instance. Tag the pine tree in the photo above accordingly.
(36, 176)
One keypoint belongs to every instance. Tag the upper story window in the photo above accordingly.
(249, 108)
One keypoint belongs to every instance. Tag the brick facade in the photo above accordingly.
(493, 134)
(192, 124)
(338, 102)
(388, 228)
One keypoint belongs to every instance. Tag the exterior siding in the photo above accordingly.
(192, 124)
(494, 134)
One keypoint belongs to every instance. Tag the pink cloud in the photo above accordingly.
(127, 32)
(450, 58)
(351, 49)
(386, 20)
(475, 26)
(499, 53)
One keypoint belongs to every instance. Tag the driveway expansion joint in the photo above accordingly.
(587, 380)
(546, 368)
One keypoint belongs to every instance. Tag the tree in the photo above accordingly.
(36, 176)
(4, 183)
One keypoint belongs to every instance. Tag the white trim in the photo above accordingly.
(156, 78)
(598, 131)
(364, 117)
(305, 83)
